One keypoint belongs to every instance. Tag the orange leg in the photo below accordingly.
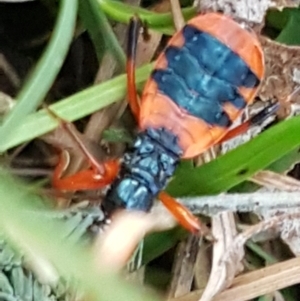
(98, 175)
(257, 119)
(183, 215)
(90, 178)
(133, 33)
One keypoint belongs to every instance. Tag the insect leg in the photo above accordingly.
(257, 119)
(135, 25)
(182, 214)
(98, 175)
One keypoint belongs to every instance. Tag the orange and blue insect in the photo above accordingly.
(208, 73)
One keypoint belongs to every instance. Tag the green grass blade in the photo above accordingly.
(100, 31)
(290, 33)
(277, 19)
(287, 22)
(238, 165)
(72, 108)
(284, 164)
(162, 22)
(45, 71)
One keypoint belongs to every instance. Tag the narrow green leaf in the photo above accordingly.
(290, 33)
(259, 251)
(45, 71)
(287, 162)
(282, 165)
(287, 22)
(238, 165)
(277, 19)
(100, 31)
(162, 22)
(72, 108)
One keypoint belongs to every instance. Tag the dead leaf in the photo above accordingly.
(259, 282)
(275, 180)
(286, 222)
(223, 272)
(289, 228)
(256, 283)
(282, 68)
(183, 267)
(203, 265)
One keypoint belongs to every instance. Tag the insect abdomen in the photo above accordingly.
(208, 73)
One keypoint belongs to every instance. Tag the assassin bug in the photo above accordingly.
(208, 73)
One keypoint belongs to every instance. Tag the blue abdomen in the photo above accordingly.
(145, 171)
(203, 75)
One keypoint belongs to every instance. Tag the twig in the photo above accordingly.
(246, 202)
(256, 283)
(177, 15)
(183, 267)
(222, 274)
